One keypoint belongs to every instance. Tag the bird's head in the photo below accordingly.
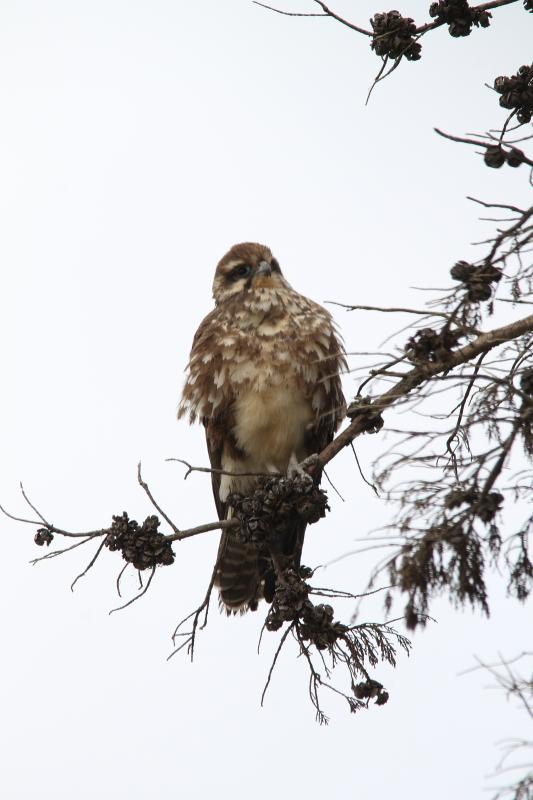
(246, 266)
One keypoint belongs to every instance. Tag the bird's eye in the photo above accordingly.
(239, 272)
(275, 265)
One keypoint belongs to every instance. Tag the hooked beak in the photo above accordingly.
(264, 268)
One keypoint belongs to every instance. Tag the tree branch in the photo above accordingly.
(417, 376)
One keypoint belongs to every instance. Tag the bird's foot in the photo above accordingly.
(304, 469)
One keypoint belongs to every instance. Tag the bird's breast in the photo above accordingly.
(270, 422)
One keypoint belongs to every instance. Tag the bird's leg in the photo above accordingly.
(294, 469)
(310, 464)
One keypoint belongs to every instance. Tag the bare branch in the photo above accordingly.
(222, 524)
(148, 492)
(89, 565)
(477, 142)
(137, 596)
(417, 376)
(213, 471)
(287, 13)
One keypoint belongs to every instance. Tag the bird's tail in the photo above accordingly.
(237, 574)
(245, 574)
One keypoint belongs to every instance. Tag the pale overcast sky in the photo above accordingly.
(139, 140)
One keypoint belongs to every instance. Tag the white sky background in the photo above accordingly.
(139, 140)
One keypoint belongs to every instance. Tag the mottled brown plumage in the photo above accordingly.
(263, 378)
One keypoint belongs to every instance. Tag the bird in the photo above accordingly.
(263, 378)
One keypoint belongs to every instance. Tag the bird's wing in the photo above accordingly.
(330, 405)
(215, 444)
(328, 397)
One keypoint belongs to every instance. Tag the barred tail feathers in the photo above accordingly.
(237, 575)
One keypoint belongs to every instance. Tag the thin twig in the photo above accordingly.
(392, 310)
(368, 483)
(89, 565)
(25, 496)
(137, 596)
(119, 576)
(477, 143)
(191, 635)
(54, 553)
(272, 666)
(287, 13)
(333, 486)
(150, 497)
(213, 471)
(453, 434)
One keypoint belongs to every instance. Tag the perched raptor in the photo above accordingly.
(263, 378)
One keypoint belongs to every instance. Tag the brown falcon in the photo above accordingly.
(263, 378)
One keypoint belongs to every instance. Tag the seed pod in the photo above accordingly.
(462, 271)
(43, 536)
(515, 157)
(516, 93)
(494, 157)
(459, 16)
(478, 292)
(394, 36)
(382, 698)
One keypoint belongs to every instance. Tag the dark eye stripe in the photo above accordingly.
(275, 265)
(240, 271)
